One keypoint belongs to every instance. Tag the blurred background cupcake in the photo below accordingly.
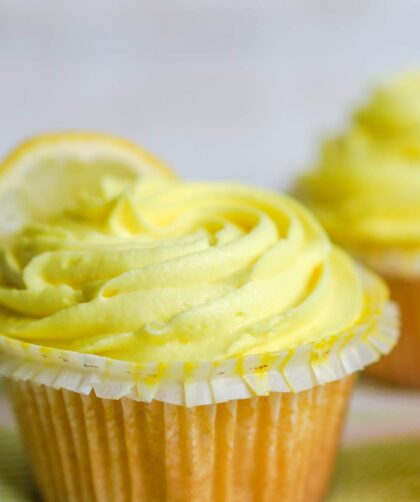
(365, 189)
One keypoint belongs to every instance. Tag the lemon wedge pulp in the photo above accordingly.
(48, 173)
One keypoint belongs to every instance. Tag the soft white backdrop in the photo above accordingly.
(238, 89)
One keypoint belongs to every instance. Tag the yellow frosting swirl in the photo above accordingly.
(171, 271)
(366, 187)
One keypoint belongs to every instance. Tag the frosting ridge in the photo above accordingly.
(168, 271)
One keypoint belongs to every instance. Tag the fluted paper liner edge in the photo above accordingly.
(199, 383)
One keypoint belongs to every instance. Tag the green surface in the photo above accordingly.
(15, 483)
(381, 472)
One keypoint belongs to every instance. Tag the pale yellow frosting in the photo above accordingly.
(170, 271)
(366, 186)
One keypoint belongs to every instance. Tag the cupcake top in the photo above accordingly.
(365, 188)
(170, 271)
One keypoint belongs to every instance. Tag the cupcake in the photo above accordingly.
(185, 342)
(366, 192)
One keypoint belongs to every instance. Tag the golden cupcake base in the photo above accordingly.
(402, 365)
(277, 447)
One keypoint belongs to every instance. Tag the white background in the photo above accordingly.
(234, 89)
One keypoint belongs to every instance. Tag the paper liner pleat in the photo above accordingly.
(402, 365)
(205, 382)
(86, 449)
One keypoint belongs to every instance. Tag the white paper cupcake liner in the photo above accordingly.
(392, 262)
(193, 384)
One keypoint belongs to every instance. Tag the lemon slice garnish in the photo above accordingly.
(50, 172)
